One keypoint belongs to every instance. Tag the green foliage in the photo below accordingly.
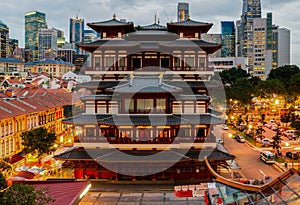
(22, 194)
(277, 141)
(294, 88)
(284, 73)
(241, 90)
(269, 87)
(231, 75)
(38, 141)
(3, 183)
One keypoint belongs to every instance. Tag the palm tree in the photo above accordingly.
(277, 141)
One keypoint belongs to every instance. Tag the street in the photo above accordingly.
(247, 158)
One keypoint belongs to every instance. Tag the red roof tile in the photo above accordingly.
(64, 192)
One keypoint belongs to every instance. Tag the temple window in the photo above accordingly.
(189, 61)
(122, 62)
(89, 132)
(97, 62)
(135, 62)
(161, 104)
(165, 62)
(129, 105)
(202, 62)
(176, 62)
(109, 61)
(144, 105)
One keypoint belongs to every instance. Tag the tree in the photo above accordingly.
(269, 87)
(241, 90)
(284, 75)
(259, 132)
(262, 118)
(23, 194)
(277, 141)
(231, 75)
(3, 183)
(38, 142)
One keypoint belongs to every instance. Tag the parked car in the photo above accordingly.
(240, 139)
(225, 127)
(292, 137)
(292, 155)
(287, 133)
(219, 140)
(266, 142)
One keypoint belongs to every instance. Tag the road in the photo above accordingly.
(247, 158)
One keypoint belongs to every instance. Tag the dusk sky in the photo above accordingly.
(141, 12)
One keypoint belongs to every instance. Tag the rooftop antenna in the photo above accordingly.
(77, 14)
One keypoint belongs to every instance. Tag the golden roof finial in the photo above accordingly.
(154, 18)
(114, 16)
(131, 75)
(189, 17)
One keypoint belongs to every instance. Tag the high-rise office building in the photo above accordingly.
(13, 44)
(4, 40)
(182, 12)
(228, 39)
(61, 40)
(76, 32)
(66, 54)
(34, 21)
(251, 10)
(284, 46)
(47, 43)
(89, 36)
(213, 38)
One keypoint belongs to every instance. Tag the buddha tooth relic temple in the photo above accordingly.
(149, 114)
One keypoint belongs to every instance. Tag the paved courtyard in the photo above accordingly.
(137, 198)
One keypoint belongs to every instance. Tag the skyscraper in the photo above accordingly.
(228, 38)
(47, 43)
(182, 12)
(76, 32)
(13, 44)
(251, 10)
(34, 21)
(283, 46)
(4, 40)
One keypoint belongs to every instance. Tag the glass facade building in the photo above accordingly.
(47, 43)
(251, 10)
(4, 40)
(228, 38)
(182, 12)
(76, 32)
(34, 21)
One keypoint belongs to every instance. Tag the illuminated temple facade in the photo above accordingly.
(149, 98)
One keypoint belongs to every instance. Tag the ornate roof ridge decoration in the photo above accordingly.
(154, 26)
(189, 22)
(111, 22)
(145, 84)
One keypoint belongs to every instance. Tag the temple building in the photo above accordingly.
(148, 116)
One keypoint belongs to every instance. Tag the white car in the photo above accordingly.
(225, 127)
(266, 142)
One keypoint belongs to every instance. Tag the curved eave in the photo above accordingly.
(202, 28)
(101, 27)
(211, 49)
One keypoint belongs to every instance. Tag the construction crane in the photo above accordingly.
(170, 20)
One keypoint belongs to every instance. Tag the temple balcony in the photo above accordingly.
(124, 69)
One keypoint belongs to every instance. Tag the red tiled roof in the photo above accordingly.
(26, 174)
(64, 192)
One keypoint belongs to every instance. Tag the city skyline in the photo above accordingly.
(142, 13)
